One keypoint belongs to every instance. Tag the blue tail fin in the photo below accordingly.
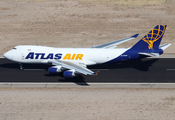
(151, 41)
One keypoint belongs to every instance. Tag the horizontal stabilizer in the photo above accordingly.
(163, 47)
(142, 54)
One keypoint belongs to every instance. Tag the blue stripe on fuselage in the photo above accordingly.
(128, 55)
(133, 54)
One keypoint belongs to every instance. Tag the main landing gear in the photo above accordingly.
(21, 66)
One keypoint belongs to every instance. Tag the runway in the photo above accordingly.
(149, 70)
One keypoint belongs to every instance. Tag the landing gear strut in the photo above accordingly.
(21, 66)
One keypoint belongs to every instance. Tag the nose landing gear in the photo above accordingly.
(21, 66)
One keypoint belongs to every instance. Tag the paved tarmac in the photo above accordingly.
(149, 70)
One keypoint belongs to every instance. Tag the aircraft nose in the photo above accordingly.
(8, 55)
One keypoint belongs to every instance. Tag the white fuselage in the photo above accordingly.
(42, 54)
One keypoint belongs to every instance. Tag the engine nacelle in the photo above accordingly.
(55, 69)
(69, 74)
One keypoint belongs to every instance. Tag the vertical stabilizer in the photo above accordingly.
(151, 41)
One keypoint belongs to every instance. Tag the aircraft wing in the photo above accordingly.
(115, 43)
(72, 66)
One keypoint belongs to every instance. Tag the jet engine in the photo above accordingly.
(55, 69)
(69, 74)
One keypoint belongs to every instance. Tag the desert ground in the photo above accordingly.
(86, 104)
(82, 23)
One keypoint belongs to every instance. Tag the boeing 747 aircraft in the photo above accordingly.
(74, 61)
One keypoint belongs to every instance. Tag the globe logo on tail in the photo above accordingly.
(154, 35)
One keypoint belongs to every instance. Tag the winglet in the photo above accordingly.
(134, 36)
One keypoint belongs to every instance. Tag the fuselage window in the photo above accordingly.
(28, 49)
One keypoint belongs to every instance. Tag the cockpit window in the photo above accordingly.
(14, 48)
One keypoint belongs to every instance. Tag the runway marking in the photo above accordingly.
(1, 56)
(38, 83)
(100, 69)
(86, 85)
(44, 69)
(33, 69)
(170, 69)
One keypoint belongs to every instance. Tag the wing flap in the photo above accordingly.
(115, 43)
(70, 65)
